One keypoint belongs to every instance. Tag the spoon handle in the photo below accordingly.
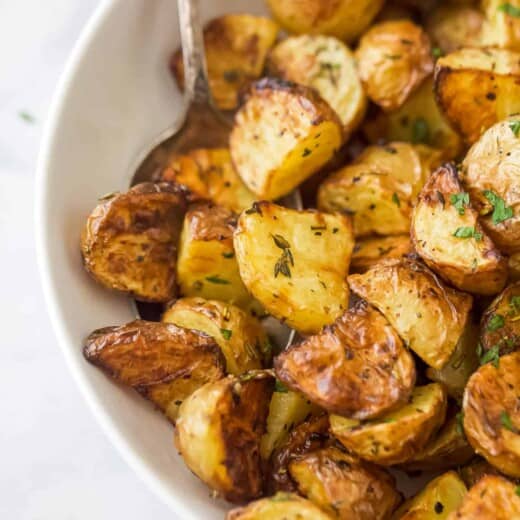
(196, 84)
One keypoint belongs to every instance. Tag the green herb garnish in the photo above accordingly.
(491, 356)
(226, 333)
(217, 280)
(515, 127)
(496, 322)
(228, 254)
(420, 131)
(505, 421)
(280, 387)
(459, 201)
(27, 117)
(283, 264)
(467, 232)
(501, 212)
(460, 423)
(510, 9)
(395, 200)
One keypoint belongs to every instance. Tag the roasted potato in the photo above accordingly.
(282, 134)
(491, 174)
(429, 316)
(491, 497)
(500, 326)
(207, 266)
(164, 363)
(358, 367)
(282, 506)
(345, 487)
(218, 434)
(436, 501)
(236, 47)
(129, 242)
(475, 88)
(471, 473)
(369, 251)
(393, 59)
(419, 121)
(328, 65)
(240, 336)
(447, 234)
(514, 267)
(491, 413)
(398, 435)
(285, 261)
(504, 23)
(208, 174)
(345, 19)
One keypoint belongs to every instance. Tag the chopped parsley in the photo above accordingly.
(26, 117)
(467, 232)
(496, 322)
(437, 52)
(460, 201)
(226, 333)
(491, 356)
(509, 9)
(228, 254)
(501, 212)
(395, 200)
(517, 490)
(280, 387)
(217, 280)
(420, 131)
(505, 421)
(514, 303)
(515, 127)
(460, 423)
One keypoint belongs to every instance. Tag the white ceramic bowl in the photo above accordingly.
(114, 97)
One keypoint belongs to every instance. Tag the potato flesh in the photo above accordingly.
(504, 28)
(369, 251)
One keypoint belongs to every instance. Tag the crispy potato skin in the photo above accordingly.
(491, 415)
(129, 242)
(370, 251)
(358, 367)
(218, 434)
(282, 134)
(208, 174)
(163, 362)
(492, 164)
(303, 284)
(345, 487)
(345, 19)
(282, 506)
(393, 58)
(475, 88)
(469, 264)
(397, 436)
(236, 47)
(428, 315)
(492, 497)
(507, 306)
(326, 64)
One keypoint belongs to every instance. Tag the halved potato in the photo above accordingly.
(436, 501)
(218, 434)
(397, 436)
(428, 315)
(283, 133)
(358, 367)
(129, 242)
(475, 88)
(491, 497)
(393, 59)
(372, 250)
(500, 325)
(241, 337)
(164, 363)
(492, 415)
(345, 19)
(504, 30)
(326, 64)
(236, 47)
(491, 174)
(295, 263)
(208, 173)
(447, 235)
(282, 506)
(345, 487)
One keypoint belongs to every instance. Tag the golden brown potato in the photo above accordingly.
(500, 325)
(491, 413)
(208, 173)
(282, 134)
(447, 235)
(129, 242)
(514, 267)
(345, 19)
(369, 251)
(282, 506)
(429, 316)
(236, 47)
(164, 363)
(358, 367)
(295, 263)
(475, 88)
(326, 64)
(397, 436)
(207, 266)
(218, 434)
(436, 501)
(393, 59)
(504, 23)
(492, 497)
(240, 336)
(491, 174)
(345, 487)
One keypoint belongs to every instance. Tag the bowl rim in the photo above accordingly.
(46, 157)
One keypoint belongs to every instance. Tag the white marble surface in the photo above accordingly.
(55, 462)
